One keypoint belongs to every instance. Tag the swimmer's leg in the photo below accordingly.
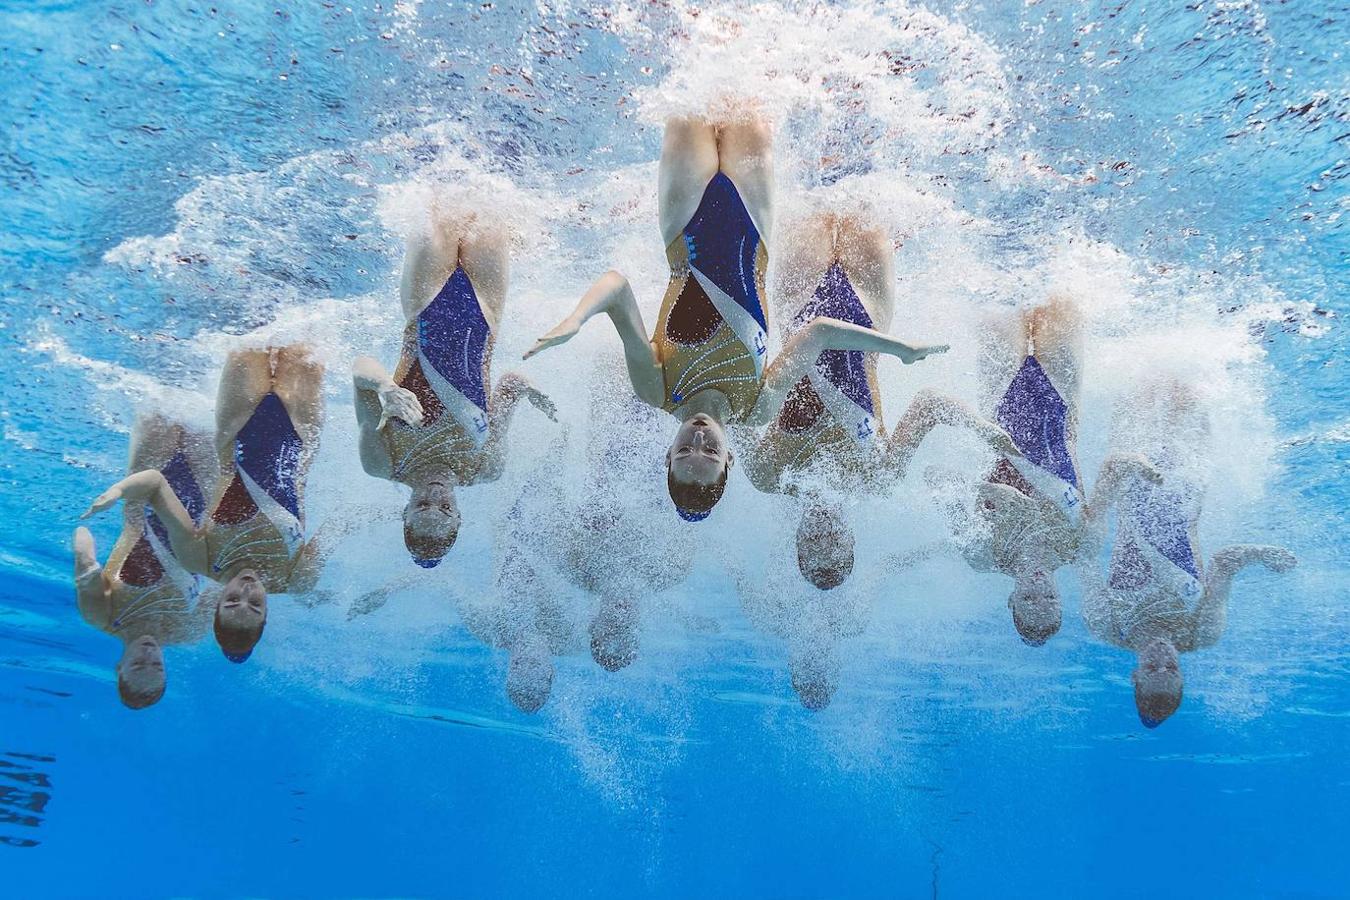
(1185, 424)
(298, 381)
(614, 636)
(245, 380)
(433, 254)
(154, 439)
(1003, 347)
(868, 257)
(484, 255)
(807, 252)
(745, 153)
(1056, 330)
(688, 163)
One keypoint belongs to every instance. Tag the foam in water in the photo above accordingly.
(900, 115)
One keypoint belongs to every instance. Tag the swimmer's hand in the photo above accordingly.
(540, 401)
(1121, 465)
(103, 501)
(134, 489)
(914, 353)
(399, 403)
(1000, 441)
(563, 332)
(1277, 559)
(514, 385)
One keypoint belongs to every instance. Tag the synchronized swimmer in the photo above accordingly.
(808, 423)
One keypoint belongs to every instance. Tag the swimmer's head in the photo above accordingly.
(697, 465)
(1157, 682)
(529, 675)
(241, 613)
(824, 546)
(815, 677)
(614, 640)
(140, 673)
(430, 522)
(1035, 607)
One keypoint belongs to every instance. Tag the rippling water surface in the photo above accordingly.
(177, 179)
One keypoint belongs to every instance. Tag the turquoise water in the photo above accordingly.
(180, 179)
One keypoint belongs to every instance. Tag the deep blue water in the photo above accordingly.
(180, 178)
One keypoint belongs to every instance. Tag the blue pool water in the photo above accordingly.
(177, 179)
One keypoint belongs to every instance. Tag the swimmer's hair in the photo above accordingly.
(827, 578)
(821, 523)
(237, 643)
(812, 695)
(428, 550)
(1035, 629)
(1156, 707)
(694, 502)
(1035, 634)
(133, 699)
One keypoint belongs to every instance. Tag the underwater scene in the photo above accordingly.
(674, 449)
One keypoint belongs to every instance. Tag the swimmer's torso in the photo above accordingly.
(1036, 533)
(1154, 549)
(711, 331)
(1047, 529)
(256, 521)
(1134, 617)
(447, 351)
(832, 417)
(149, 592)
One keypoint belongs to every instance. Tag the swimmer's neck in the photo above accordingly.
(429, 474)
(709, 402)
(1151, 614)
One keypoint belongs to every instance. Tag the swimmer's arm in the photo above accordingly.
(928, 410)
(801, 351)
(612, 294)
(1112, 479)
(761, 467)
(195, 623)
(378, 399)
(1008, 507)
(510, 390)
(946, 483)
(899, 562)
(1098, 614)
(1211, 612)
(91, 592)
(314, 555)
(150, 486)
(373, 600)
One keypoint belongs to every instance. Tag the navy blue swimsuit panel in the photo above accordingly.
(723, 243)
(452, 334)
(845, 369)
(1036, 417)
(268, 450)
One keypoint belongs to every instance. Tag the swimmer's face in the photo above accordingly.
(529, 676)
(824, 547)
(614, 640)
(243, 602)
(1157, 682)
(431, 520)
(140, 673)
(241, 613)
(699, 454)
(1035, 608)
